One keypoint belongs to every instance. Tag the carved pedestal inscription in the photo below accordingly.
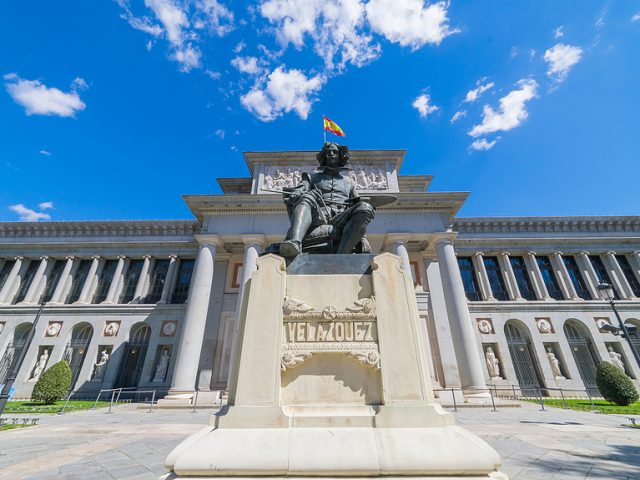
(308, 331)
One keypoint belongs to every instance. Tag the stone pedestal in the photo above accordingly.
(331, 379)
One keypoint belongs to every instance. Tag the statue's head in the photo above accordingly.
(333, 155)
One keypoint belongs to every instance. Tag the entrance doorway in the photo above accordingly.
(135, 351)
(522, 357)
(583, 353)
(76, 349)
(13, 351)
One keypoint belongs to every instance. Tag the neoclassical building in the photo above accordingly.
(509, 301)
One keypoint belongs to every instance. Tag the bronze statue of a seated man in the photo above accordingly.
(325, 205)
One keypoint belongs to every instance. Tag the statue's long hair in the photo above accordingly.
(343, 154)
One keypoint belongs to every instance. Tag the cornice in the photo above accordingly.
(86, 229)
(536, 307)
(52, 309)
(493, 225)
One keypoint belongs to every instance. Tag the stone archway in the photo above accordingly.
(13, 350)
(135, 352)
(523, 358)
(76, 349)
(584, 353)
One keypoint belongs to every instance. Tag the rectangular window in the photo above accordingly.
(623, 261)
(52, 280)
(158, 278)
(131, 281)
(549, 278)
(495, 278)
(8, 266)
(469, 278)
(78, 280)
(104, 281)
(26, 280)
(576, 277)
(602, 274)
(522, 278)
(184, 279)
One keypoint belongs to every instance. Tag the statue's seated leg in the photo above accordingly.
(356, 227)
(301, 219)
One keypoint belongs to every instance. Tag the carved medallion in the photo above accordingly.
(484, 325)
(169, 328)
(111, 329)
(544, 325)
(53, 329)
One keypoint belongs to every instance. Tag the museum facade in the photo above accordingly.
(510, 302)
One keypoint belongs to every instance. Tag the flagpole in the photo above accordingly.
(324, 130)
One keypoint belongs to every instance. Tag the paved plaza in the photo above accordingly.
(132, 444)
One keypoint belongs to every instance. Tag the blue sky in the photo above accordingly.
(114, 109)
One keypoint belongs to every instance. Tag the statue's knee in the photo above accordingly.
(364, 210)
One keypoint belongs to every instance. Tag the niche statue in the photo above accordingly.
(325, 212)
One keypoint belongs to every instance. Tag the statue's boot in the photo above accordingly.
(300, 223)
(290, 248)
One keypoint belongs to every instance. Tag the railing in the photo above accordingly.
(116, 393)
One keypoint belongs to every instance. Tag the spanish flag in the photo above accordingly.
(331, 126)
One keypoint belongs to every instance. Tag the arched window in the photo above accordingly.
(76, 350)
(135, 351)
(13, 350)
(523, 358)
(583, 353)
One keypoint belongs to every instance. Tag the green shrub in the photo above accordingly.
(614, 385)
(53, 384)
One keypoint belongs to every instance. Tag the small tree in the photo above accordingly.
(614, 385)
(53, 384)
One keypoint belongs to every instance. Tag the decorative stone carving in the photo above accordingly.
(368, 359)
(169, 328)
(291, 359)
(555, 364)
(616, 358)
(100, 366)
(366, 305)
(544, 325)
(366, 177)
(493, 364)
(162, 366)
(53, 329)
(601, 322)
(291, 305)
(111, 329)
(485, 326)
(40, 365)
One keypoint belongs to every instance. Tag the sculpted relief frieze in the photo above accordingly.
(366, 177)
(352, 331)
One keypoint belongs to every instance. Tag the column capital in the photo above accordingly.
(635, 252)
(173, 256)
(558, 252)
(146, 257)
(478, 254)
(95, 257)
(18, 257)
(45, 257)
(584, 253)
(69, 257)
(531, 253)
(391, 238)
(504, 254)
(257, 239)
(121, 257)
(209, 239)
(444, 237)
(610, 252)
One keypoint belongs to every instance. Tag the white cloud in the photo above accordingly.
(512, 111)
(458, 115)
(173, 19)
(601, 16)
(482, 144)
(636, 17)
(473, 95)
(38, 99)
(212, 74)
(239, 47)
(561, 58)
(421, 103)
(219, 133)
(283, 91)
(45, 152)
(247, 65)
(410, 23)
(45, 205)
(558, 33)
(28, 215)
(214, 17)
(79, 84)
(336, 28)
(188, 56)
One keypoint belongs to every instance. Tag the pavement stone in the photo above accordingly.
(131, 444)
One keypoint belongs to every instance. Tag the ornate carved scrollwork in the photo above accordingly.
(364, 308)
(291, 359)
(370, 359)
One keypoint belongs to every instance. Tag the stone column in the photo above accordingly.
(509, 276)
(116, 282)
(634, 261)
(536, 276)
(60, 292)
(253, 245)
(483, 278)
(170, 280)
(566, 285)
(464, 340)
(89, 283)
(397, 244)
(9, 284)
(617, 276)
(588, 274)
(36, 284)
(195, 320)
(143, 281)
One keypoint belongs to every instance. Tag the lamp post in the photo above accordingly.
(11, 377)
(607, 294)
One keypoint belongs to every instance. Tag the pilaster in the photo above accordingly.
(536, 276)
(509, 276)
